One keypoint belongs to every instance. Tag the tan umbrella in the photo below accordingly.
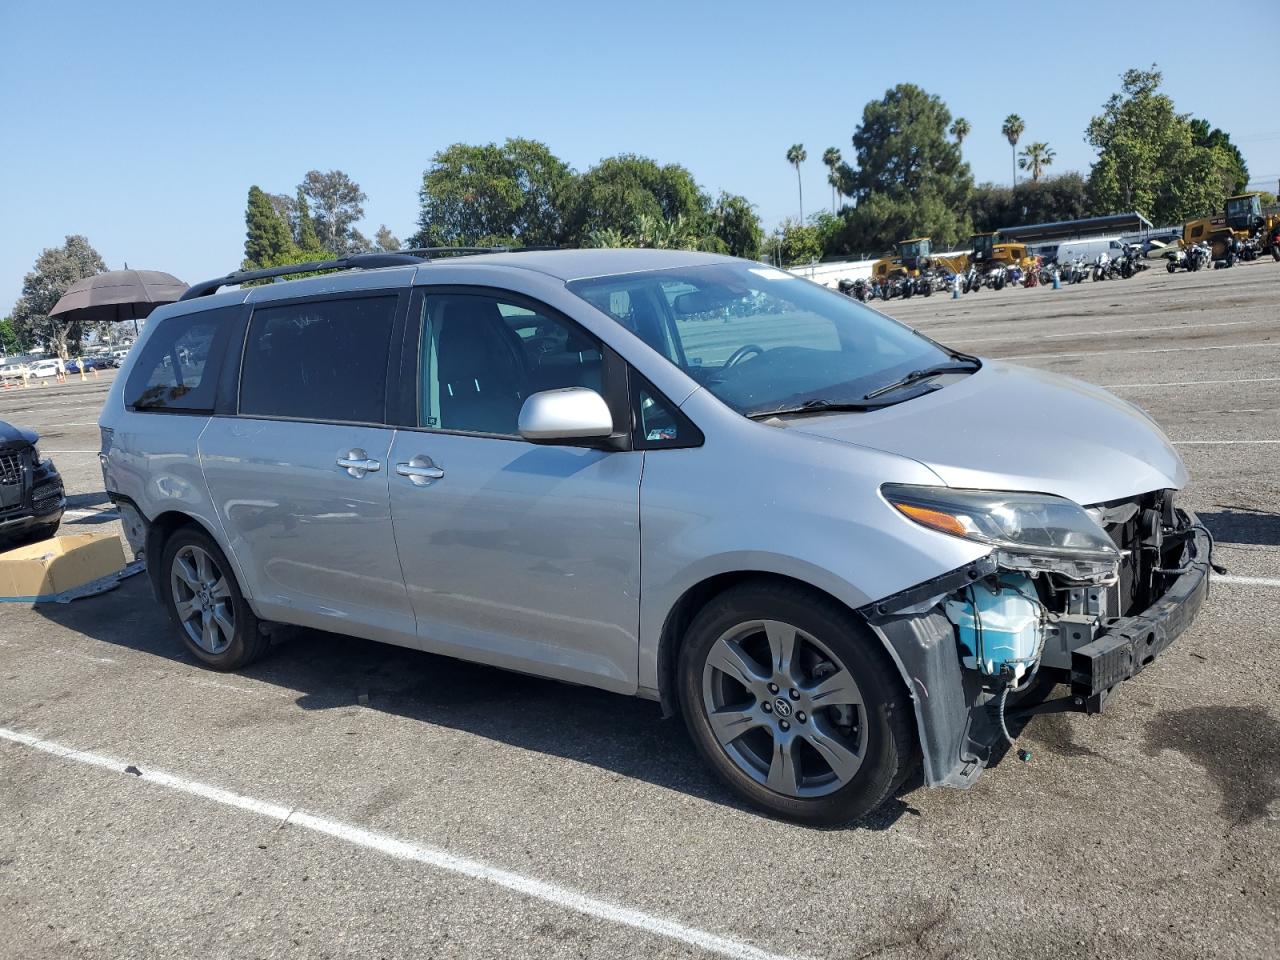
(119, 295)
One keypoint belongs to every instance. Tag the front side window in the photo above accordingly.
(481, 356)
(761, 339)
(176, 369)
(322, 360)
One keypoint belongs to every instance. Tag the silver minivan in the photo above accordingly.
(837, 547)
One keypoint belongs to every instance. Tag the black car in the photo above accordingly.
(31, 495)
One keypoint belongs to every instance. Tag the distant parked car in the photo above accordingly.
(89, 363)
(104, 361)
(13, 371)
(31, 494)
(47, 368)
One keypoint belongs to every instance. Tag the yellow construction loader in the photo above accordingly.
(1242, 221)
(989, 252)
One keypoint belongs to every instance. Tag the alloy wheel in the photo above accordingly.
(202, 599)
(784, 708)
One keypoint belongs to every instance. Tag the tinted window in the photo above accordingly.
(177, 367)
(482, 356)
(325, 360)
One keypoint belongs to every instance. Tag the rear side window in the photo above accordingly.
(178, 367)
(322, 360)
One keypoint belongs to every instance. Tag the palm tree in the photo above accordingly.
(1035, 157)
(1012, 130)
(831, 157)
(795, 157)
(960, 129)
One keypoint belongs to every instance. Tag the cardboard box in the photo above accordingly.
(51, 567)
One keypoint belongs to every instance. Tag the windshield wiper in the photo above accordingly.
(916, 376)
(816, 405)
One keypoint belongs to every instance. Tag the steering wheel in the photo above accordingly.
(744, 351)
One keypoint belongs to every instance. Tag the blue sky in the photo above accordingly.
(142, 126)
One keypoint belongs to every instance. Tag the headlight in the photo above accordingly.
(1023, 523)
(40, 458)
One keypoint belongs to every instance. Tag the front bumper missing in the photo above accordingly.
(1131, 643)
(957, 733)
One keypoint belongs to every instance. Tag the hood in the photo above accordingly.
(1014, 428)
(11, 436)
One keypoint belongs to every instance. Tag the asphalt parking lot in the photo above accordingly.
(343, 799)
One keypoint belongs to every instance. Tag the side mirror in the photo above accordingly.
(571, 413)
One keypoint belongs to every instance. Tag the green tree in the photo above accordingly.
(993, 206)
(304, 229)
(511, 194)
(735, 223)
(56, 269)
(385, 240)
(960, 129)
(797, 243)
(10, 342)
(831, 158)
(1235, 169)
(910, 179)
(1035, 157)
(1012, 129)
(268, 241)
(796, 155)
(617, 191)
(1148, 159)
(336, 203)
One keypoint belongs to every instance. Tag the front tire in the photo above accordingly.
(792, 702)
(205, 602)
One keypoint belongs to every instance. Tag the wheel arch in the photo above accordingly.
(164, 526)
(697, 596)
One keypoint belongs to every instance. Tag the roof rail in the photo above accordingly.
(355, 261)
(363, 261)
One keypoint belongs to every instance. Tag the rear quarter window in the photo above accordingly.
(177, 369)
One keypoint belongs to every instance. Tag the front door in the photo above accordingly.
(300, 475)
(522, 555)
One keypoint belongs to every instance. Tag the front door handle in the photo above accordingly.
(420, 470)
(358, 463)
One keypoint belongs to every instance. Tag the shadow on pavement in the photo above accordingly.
(1243, 525)
(1238, 747)
(625, 735)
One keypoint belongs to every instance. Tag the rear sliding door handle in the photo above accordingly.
(358, 463)
(420, 470)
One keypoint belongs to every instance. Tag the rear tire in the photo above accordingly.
(205, 602)
(794, 704)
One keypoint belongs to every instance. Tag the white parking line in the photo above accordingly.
(1190, 383)
(1107, 353)
(1246, 581)
(405, 850)
(1100, 333)
(1198, 443)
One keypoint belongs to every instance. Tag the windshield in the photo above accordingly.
(761, 339)
(983, 247)
(1240, 209)
(910, 249)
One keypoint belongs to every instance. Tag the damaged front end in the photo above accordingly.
(1080, 595)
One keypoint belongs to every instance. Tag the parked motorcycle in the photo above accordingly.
(1101, 267)
(857, 289)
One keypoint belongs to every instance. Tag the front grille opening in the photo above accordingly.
(10, 467)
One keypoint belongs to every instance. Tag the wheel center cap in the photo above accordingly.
(781, 707)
